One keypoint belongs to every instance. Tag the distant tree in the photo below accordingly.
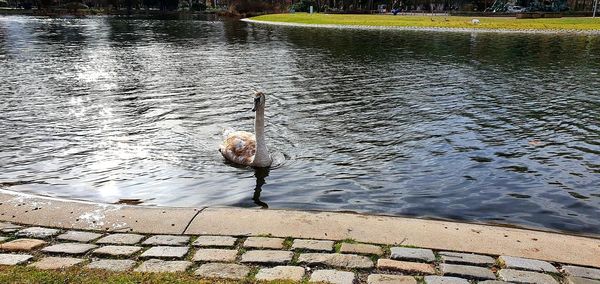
(303, 5)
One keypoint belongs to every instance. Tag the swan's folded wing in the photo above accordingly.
(239, 147)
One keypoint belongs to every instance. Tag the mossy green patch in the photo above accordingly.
(288, 242)
(387, 249)
(252, 275)
(337, 247)
(294, 260)
(500, 23)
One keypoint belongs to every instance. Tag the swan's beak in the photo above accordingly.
(256, 102)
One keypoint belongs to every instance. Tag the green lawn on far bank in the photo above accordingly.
(583, 24)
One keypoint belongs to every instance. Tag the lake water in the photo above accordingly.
(495, 128)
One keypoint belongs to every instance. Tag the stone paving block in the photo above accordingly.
(217, 255)
(413, 254)
(14, 259)
(78, 236)
(313, 245)
(525, 277)
(165, 252)
(360, 249)
(223, 271)
(22, 245)
(267, 256)
(121, 239)
(157, 265)
(444, 280)
(264, 243)
(118, 265)
(117, 251)
(336, 260)
(512, 262)
(492, 282)
(214, 241)
(465, 271)
(580, 280)
(585, 272)
(167, 240)
(37, 232)
(405, 266)
(9, 228)
(69, 248)
(289, 273)
(56, 262)
(2, 239)
(332, 276)
(390, 279)
(466, 258)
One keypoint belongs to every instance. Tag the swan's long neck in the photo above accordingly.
(262, 157)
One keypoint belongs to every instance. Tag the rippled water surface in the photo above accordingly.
(498, 128)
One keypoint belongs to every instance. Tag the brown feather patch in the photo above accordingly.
(239, 147)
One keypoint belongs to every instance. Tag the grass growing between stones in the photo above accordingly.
(337, 247)
(287, 243)
(387, 250)
(374, 258)
(295, 258)
(499, 23)
(252, 275)
(408, 246)
(28, 275)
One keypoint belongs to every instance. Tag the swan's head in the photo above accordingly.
(259, 100)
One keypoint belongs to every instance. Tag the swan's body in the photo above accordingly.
(245, 148)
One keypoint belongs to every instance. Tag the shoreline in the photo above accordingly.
(33, 210)
(427, 29)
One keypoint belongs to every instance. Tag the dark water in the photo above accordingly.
(479, 127)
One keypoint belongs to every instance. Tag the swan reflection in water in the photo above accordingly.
(260, 174)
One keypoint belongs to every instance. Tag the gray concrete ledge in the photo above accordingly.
(439, 235)
(51, 212)
(428, 29)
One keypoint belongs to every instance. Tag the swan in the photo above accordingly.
(245, 148)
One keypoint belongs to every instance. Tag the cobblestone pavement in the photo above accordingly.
(269, 259)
